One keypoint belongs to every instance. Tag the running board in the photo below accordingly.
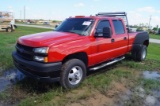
(107, 64)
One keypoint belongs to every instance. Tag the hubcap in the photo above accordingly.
(144, 54)
(75, 75)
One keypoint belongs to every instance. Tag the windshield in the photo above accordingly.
(81, 26)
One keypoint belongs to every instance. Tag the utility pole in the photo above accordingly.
(149, 21)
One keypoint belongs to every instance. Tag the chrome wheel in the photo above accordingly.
(144, 53)
(75, 75)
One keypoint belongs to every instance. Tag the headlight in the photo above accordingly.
(41, 59)
(41, 54)
(42, 50)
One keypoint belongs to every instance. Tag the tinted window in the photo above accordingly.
(118, 26)
(101, 25)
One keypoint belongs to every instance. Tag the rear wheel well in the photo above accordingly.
(146, 43)
(81, 56)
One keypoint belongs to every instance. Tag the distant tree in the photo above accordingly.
(139, 29)
(135, 26)
(155, 28)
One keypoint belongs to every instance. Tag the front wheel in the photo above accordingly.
(73, 73)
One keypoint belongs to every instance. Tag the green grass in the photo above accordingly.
(154, 36)
(153, 51)
(8, 41)
(150, 84)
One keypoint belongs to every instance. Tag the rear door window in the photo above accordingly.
(118, 26)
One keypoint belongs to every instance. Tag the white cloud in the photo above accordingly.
(147, 9)
(142, 15)
(79, 5)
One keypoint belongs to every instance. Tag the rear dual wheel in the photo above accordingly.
(140, 54)
(73, 73)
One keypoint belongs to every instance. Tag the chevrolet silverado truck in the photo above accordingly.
(78, 45)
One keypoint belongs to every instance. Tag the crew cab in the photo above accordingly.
(78, 45)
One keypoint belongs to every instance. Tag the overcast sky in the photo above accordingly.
(139, 11)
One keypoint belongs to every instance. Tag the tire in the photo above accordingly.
(140, 54)
(73, 73)
(9, 29)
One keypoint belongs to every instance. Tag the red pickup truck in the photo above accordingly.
(78, 45)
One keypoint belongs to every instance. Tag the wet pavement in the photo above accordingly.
(8, 78)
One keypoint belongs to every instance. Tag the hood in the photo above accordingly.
(48, 38)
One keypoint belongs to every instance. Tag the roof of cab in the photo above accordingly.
(96, 17)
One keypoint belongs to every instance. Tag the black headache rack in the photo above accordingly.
(122, 15)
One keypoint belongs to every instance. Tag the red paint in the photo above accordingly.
(62, 44)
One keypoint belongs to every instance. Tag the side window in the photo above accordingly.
(118, 26)
(101, 25)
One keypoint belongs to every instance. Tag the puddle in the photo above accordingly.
(139, 96)
(151, 75)
(9, 78)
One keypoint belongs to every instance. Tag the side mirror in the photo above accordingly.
(107, 32)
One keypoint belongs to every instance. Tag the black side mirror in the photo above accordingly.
(107, 32)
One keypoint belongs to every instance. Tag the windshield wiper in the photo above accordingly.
(73, 32)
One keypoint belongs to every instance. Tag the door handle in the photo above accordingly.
(125, 38)
(112, 40)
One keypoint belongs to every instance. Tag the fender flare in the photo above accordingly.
(139, 40)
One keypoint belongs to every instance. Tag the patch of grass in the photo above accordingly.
(154, 36)
(8, 41)
(150, 84)
(135, 100)
(153, 51)
(4, 96)
(131, 64)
